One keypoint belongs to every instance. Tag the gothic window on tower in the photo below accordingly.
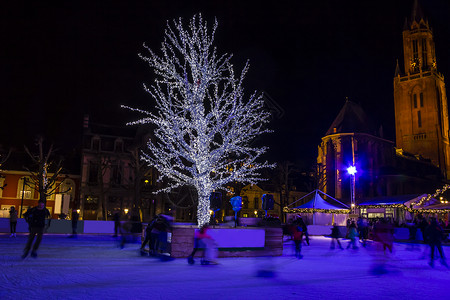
(421, 99)
(415, 59)
(415, 100)
(419, 119)
(424, 53)
(415, 49)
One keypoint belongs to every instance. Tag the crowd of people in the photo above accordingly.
(380, 230)
(158, 234)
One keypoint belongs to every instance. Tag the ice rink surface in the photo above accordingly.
(94, 267)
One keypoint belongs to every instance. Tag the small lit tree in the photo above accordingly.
(204, 126)
(41, 180)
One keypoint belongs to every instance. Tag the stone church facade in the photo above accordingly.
(418, 161)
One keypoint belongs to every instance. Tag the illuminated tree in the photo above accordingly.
(47, 177)
(204, 126)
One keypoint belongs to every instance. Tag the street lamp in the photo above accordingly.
(352, 171)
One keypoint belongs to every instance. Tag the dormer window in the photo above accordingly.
(96, 143)
(118, 145)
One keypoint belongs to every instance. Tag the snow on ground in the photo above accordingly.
(93, 267)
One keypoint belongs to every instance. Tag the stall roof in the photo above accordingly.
(392, 200)
(319, 203)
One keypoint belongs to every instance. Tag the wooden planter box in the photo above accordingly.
(232, 242)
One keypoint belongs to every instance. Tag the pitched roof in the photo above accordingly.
(319, 203)
(391, 200)
(351, 118)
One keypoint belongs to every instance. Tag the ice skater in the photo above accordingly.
(297, 237)
(435, 234)
(116, 218)
(299, 222)
(335, 237)
(352, 234)
(13, 220)
(74, 217)
(363, 230)
(149, 239)
(202, 240)
(384, 233)
(36, 217)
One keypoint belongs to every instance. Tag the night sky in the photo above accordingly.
(62, 60)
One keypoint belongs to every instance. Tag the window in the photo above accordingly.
(2, 183)
(245, 202)
(424, 53)
(421, 99)
(96, 144)
(415, 100)
(389, 212)
(116, 175)
(93, 172)
(375, 215)
(255, 202)
(415, 48)
(419, 119)
(118, 145)
(68, 188)
(25, 188)
(51, 197)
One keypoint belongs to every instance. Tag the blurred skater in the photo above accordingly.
(299, 222)
(435, 234)
(384, 233)
(202, 240)
(352, 234)
(412, 227)
(161, 230)
(13, 220)
(335, 237)
(363, 230)
(36, 217)
(74, 218)
(297, 237)
(148, 239)
(116, 218)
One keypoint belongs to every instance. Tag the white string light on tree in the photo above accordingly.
(204, 126)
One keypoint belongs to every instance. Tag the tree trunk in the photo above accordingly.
(203, 214)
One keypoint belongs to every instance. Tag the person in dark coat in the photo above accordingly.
(299, 222)
(335, 237)
(297, 237)
(384, 233)
(423, 225)
(116, 218)
(13, 220)
(75, 216)
(36, 217)
(435, 234)
(148, 239)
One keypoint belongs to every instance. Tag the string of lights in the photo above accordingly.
(346, 211)
(429, 196)
(204, 126)
(313, 210)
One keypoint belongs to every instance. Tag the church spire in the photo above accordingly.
(418, 44)
(417, 13)
(397, 70)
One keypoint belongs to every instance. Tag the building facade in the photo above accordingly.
(113, 178)
(17, 189)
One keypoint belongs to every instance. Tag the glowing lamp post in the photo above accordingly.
(352, 171)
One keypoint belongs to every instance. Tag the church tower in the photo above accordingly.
(421, 112)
